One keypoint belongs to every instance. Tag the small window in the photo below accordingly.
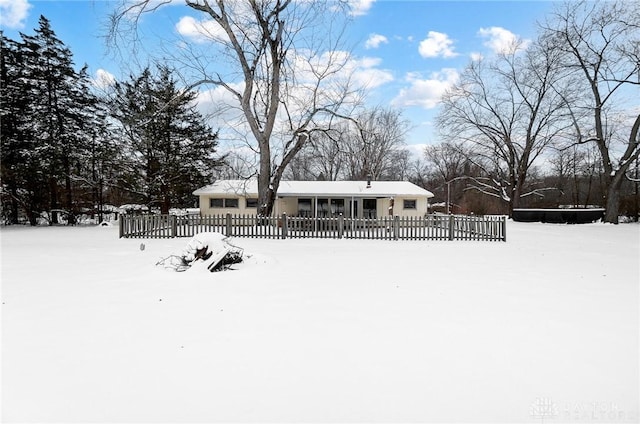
(231, 203)
(252, 203)
(216, 203)
(410, 203)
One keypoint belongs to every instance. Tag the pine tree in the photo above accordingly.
(60, 96)
(171, 148)
(20, 164)
(51, 122)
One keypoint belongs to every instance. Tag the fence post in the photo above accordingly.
(451, 226)
(340, 226)
(228, 230)
(121, 227)
(396, 227)
(504, 228)
(174, 225)
(285, 226)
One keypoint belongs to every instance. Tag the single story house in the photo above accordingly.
(357, 199)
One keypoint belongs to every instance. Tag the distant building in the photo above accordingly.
(358, 199)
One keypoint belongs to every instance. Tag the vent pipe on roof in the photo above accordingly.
(369, 181)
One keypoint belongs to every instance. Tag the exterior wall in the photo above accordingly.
(289, 205)
(384, 205)
(419, 211)
(242, 209)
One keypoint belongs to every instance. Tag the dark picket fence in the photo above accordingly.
(430, 227)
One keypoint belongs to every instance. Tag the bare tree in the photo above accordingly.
(506, 110)
(375, 144)
(449, 164)
(322, 158)
(600, 46)
(448, 160)
(369, 144)
(286, 74)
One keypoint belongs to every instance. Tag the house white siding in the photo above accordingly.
(318, 198)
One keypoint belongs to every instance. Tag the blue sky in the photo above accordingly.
(411, 50)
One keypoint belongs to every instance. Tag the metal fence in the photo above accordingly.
(430, 227)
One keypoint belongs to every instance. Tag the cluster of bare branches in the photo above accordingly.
(576, 86)
(284, 80)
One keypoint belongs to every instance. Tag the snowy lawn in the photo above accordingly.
(544, 327)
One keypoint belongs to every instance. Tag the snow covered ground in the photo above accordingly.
(542, 328)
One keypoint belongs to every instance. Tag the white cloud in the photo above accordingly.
(367, 74)
(360, 7)
(103, 79)
(426, 93)
(374, 41)
(475, 56)
(436, 44)
(501, 40)
(200, 31)
(13, 13)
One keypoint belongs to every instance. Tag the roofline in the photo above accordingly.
(359, 195)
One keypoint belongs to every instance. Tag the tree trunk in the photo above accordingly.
(13, 190)
(69, 192)
(265, 195)
(613, 194)
(516, 192)
(165, 203)
(613, 203)
(53, 187)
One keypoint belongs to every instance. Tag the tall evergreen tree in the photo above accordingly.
(49, 120)
(20, 162)
(171, 147)
(55, 112)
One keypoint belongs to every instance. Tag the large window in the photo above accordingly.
(369, 208)
(221, 202)
(304, 207)
(337, 206)
(323, 208)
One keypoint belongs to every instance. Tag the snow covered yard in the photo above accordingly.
(544, 327)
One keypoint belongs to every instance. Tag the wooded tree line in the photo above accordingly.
(551, 122)
(570, 99)
(68, 150)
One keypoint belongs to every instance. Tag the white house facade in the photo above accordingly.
(357, 199)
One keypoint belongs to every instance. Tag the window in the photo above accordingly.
(304, 207)
(223, 203)
(323, 207)
(252, 203)
(409, 203)
(337, 206)
(369, 208)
